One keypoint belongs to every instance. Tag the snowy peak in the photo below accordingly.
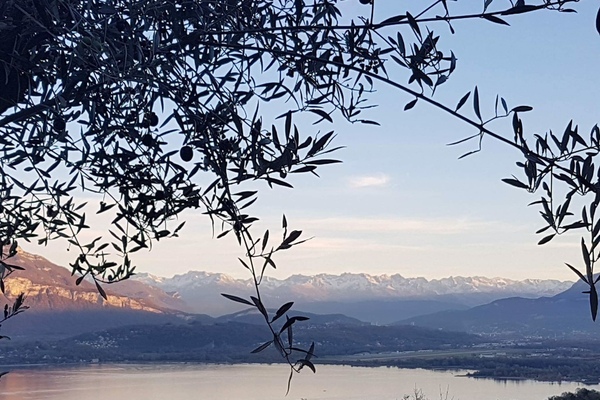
(374, 298)
(191, 278)
(351, 286)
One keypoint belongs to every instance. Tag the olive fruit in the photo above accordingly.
(365, 1)
(59, 124)
(150, 119)
(51, 212)
(153, 119)
(159, 195)
(186, 153)
(122, 25)
(147, 140)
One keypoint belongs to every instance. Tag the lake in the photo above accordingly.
(259, 382)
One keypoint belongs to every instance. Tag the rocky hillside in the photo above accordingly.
(48, 286)
(59, 308)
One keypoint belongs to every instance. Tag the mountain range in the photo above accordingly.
(471, 304)
(352, 287)
(373, 298)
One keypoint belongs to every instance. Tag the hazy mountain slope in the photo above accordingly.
(252, 316)
(566, 314)
(380, 311)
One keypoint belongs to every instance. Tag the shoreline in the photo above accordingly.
(465, 372)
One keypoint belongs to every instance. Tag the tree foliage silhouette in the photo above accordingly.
(156, 107)
(580, 394)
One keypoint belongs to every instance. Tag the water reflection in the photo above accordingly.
(260, 382)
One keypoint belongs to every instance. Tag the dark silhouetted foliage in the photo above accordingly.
(580, 394)
(156, 107)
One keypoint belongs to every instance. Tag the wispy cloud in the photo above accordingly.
(357, 245)
(445, 226)
(364, 181)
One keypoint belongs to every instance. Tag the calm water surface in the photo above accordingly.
(259, 382)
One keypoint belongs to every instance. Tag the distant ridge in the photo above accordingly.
(349, 285)
(566, 314)
(373, 298)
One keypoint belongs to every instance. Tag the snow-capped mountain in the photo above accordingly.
(372, 298)
(347, 286)
(199, 289)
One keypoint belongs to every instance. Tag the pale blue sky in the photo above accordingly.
(401, 202)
